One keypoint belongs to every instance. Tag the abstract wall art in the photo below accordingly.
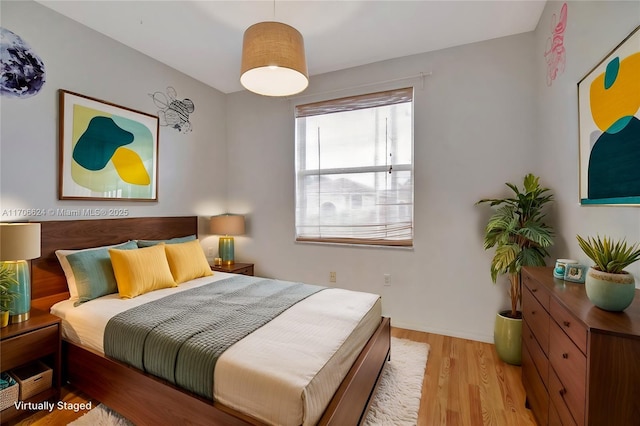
(173, 112)
(609, 127)
(22, 72)
(107, 152)
(555, 53)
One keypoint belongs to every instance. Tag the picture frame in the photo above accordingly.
(106, 151)
(609, 127)
(575, 273)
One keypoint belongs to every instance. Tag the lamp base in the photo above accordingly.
(13, 319)
(225, 250)
(21, 303)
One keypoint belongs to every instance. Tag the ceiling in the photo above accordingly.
(203, 39)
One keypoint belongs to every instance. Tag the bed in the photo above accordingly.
(146, 399)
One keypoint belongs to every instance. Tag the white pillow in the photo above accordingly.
(68, 271)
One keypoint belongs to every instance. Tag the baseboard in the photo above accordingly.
(444, 332)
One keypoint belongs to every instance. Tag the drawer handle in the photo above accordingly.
(563, 392)
(565, 355)
(533, 312)
(566, 323)
(533, 290)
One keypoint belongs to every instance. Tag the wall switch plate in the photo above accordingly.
(332, 277)
(387, 279)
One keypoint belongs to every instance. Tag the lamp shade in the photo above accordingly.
(273, 60)
(19, 241)
(227, 224)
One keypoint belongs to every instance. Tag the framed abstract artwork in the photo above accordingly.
(609, 133)
(107, 152)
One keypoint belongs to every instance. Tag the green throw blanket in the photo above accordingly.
(180, 337)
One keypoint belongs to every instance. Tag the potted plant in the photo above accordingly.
(607, 285)
(6, 294)
(521, 237)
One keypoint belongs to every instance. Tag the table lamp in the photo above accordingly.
(227, 225)
(19, 242)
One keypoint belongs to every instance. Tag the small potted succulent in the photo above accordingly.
(6, 294)
(608, 286)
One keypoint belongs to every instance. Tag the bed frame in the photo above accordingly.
(145, 399)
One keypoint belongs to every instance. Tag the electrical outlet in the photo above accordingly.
(211, 252)
(332, 277)
(387, 279)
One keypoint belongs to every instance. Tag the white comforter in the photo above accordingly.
(284, 373)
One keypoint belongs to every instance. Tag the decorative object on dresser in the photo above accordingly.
(19, 242)
(521, 237)
(575, 273)
(578, 362)
(561, 267)
(227, 225)
(607, 285)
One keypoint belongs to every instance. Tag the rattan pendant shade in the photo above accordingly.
(273, 60)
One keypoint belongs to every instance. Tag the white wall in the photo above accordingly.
(474, 130)
(192, 166)
(593, 30)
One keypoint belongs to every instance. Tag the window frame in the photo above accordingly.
(366, 101)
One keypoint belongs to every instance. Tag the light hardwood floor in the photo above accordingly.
(465, 384)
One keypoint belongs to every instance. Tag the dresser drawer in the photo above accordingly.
(537, 396)
(554, 417)
(559, 413)
(537, 290)
(535, 351)
(537, 318)
(570, 366)
(30, 346)
(574, 329)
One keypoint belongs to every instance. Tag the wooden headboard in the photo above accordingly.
(48, 283)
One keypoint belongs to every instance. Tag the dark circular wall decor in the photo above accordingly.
(22, 74)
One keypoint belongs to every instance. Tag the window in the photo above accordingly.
(354, 170)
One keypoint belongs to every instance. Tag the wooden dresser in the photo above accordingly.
(580, 364)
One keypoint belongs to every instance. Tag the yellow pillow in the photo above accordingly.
(187, 261)
(141, 271)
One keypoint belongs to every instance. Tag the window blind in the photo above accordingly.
(354, 169)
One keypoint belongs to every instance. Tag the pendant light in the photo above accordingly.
(273, 60)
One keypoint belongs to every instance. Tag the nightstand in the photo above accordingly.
(37, 339)
(236, 268)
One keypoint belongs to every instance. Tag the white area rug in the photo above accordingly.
(101, 416)
(397, 398)
(396, 402)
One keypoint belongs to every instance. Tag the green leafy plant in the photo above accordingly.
(519, 234)
(6, 281)
(609, 255)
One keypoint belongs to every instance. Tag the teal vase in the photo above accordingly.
(507, 336)
(611, 292)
